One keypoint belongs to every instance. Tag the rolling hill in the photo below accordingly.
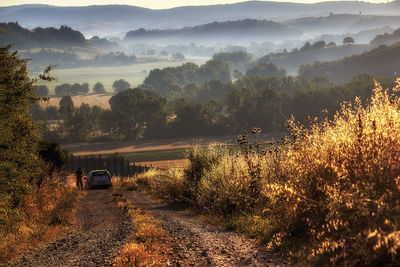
(113, 19)
(382, 62)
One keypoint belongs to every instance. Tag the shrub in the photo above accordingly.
(326, 195)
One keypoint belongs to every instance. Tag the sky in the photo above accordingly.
(153, 4)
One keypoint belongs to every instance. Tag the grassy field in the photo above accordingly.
(162, 153)
(134, 74)
(100, 100)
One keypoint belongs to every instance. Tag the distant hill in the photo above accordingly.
(249, 30)
(386, 38)
(382, 62)
(113, 19)
(62, 38)
(309, 54)
(342, 23)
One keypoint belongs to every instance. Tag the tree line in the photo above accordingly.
(225, 108)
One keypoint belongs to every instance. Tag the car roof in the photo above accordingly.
(98, 171)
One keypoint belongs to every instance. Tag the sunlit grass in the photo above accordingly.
(147, 242)
(327, 194)
(45, 213)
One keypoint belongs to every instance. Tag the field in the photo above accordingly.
(100, 100)
(162, 153)
(134, 74)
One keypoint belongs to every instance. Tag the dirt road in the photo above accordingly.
(100, 231)
(201, 244)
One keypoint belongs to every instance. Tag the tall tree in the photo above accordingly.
(140, 113)
(19, 134)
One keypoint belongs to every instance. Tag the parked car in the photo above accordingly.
(98, 178)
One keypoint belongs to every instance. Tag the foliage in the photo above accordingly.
(327, 195)
(32, 204)
(39, 37)
(240, 60)
(120, 86)
(139, 112)
(381, 61)
(44, 214)
(42, 91)
(54, 156)
(170, 80)
(98, 88)
(19, 135)
(265, 70)
(213, 108)
(74, 89)
(348, 40)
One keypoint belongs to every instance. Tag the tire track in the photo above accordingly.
(95, 239)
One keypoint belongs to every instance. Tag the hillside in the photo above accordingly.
(347, 22)
(249, 30)
(114, 19)
(309, 54)
(387, 38)
(382, 61)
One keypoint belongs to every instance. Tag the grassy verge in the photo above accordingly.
(326, 195)
(149, 241)
(45, 213)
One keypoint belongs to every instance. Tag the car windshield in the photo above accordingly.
(102, 173)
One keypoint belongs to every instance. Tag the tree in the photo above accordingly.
(63, 89)
(319, 44)
(19, 134)
(98, 88)
(66, 108)
(84, 88)
(139, 113)
(331, 44)
(76, 89)
(52, 154)
(42, 91)
(348, 40)
(120, 86)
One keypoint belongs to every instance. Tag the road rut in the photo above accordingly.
(201, 244)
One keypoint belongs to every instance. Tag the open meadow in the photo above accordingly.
(134, 74)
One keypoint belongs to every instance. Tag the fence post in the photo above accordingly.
(71, 163)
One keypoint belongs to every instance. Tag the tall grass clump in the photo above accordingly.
(326, 195)
(44, 212)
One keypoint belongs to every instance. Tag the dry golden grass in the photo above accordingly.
(148, 242)
(326, 195)
(166, 164)
(44, 214)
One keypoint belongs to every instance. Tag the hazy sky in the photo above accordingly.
(155, 4)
